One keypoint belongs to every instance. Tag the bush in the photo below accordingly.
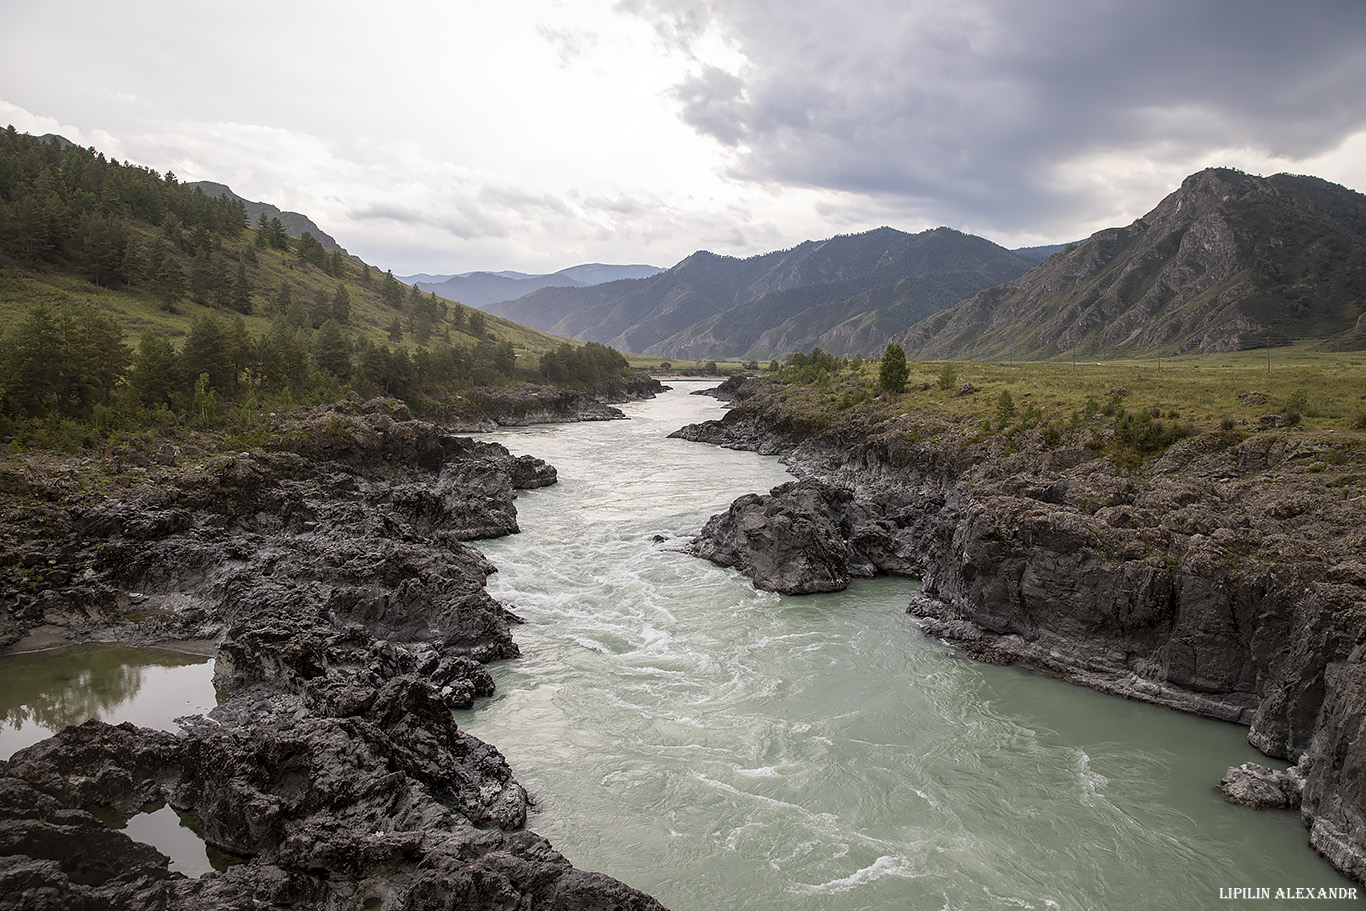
(1005, 408)
(948, 377)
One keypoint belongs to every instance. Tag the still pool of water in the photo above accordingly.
(721, 747)
(43, 692)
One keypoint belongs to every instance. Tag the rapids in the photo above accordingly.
(721, 747)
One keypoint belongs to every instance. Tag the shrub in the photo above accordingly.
(1005, 407)
(948, 376)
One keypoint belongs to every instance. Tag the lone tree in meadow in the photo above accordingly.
(892, 375)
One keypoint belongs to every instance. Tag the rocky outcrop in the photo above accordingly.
(795, 540)
(518, 406)
(1224, 578)
(1254, 785)
(329, 571)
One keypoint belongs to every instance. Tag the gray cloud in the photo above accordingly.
(969, 110)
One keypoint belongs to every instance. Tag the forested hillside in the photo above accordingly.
(129, 300)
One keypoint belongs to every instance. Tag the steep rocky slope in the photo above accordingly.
(1227, 261)
(1224, 578)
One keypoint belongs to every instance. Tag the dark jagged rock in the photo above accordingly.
(1223, 579)
(331, 571)
(795, 540)
(1254, 785)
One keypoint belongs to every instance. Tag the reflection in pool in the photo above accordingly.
(43, 692)
(178, 837)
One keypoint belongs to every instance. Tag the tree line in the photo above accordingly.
(66, 209)
(76, 367)
(64, 205)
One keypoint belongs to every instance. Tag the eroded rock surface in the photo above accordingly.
(329, 569)
(793, 540)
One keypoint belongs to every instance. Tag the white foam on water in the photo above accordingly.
(887, 865)
(723, 747)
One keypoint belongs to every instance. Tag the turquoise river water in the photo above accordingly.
(721, 747)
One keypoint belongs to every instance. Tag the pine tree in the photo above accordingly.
(391, 290)
(477, 324)
(331, 352)
(155, 374)
(283, 299)
(166, 275)
(276, 234)
(206, 352)
(893, 373)
(241, 289)
(201, 277)
(32, 365)
(341, 304)
(134, 262)
(96, 358)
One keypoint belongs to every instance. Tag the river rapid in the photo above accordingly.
(721, 747)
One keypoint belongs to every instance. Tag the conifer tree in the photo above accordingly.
(331, 352)
(155, 375)
(206, 352)
(892, 375)
(201, 277)
(283, 299)
(276, 234)
(32, 365)
(341, 304)
(241, 289)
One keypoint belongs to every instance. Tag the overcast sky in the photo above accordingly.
(538, 134)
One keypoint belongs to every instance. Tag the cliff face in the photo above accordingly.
(1226, 578)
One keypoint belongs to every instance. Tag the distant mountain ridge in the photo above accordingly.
(847, 292)
(295, 224)
(1227, 261)
(480, 289)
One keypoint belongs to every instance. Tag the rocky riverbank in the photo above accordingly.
(329, 573)
(1225, 577)
(482, 410)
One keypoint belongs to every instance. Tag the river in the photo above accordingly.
(721, 747)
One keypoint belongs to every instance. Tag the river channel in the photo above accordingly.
(721, 747)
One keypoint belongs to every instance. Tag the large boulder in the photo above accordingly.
(794, 540)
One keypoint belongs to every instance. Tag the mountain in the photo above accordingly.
(480, 289)
(849, 292)
(599, 273)
(1227, 261)
(1038, 254)
(919, 274)
(295, 224)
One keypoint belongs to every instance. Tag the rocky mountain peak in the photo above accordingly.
(1226, 261)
